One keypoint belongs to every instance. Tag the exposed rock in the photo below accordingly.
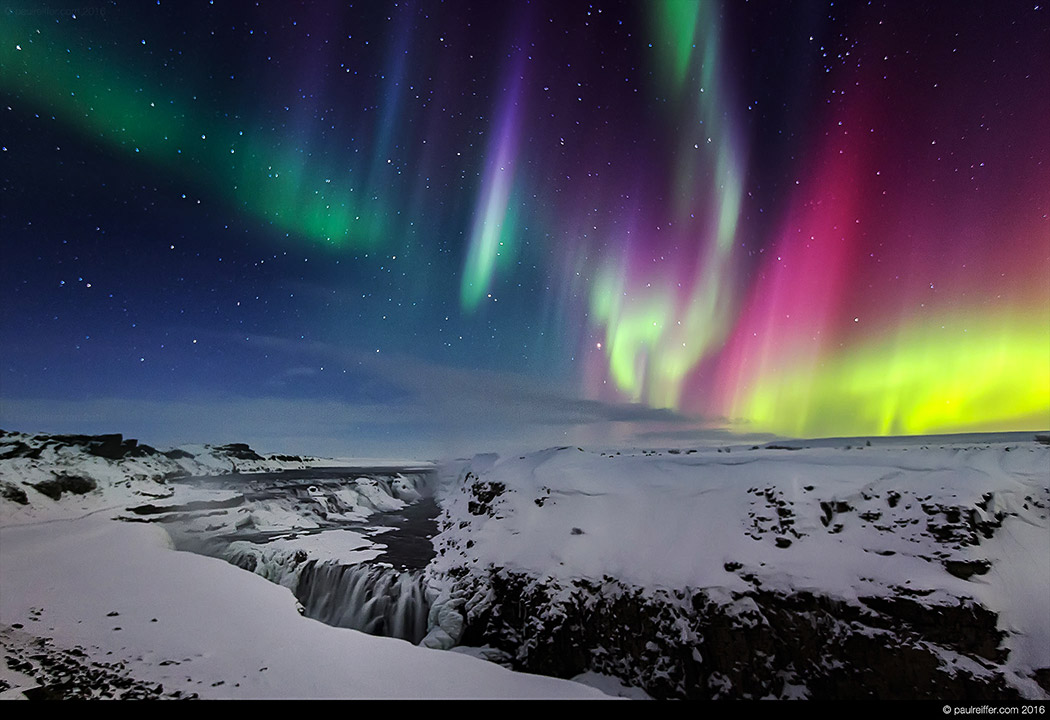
(65, 483)
(1042, 676)
(17, 449)
(192, 506)
(240, 451)
(688, 644)
(965, 570)
(69, 674)
(484, 495)
(13, 493)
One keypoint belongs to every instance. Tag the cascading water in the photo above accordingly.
(371, 598)
(281, 519)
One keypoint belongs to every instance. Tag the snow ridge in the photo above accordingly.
(87, 472)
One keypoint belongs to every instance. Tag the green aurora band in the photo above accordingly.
(294, 190)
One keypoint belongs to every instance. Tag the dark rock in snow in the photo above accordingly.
(240, 451)
(18, 449)
(483, 495)
(65, 483)
(114, 447)
(686, 644)
(965, 570)
(69, 674)
(13, 493)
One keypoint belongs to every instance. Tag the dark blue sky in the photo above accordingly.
(376, 227)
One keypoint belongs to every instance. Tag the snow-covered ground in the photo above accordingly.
(656, 518)
(949, 523)
(194, 624)
(870, 540)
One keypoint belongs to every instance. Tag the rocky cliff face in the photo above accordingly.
(694, 644)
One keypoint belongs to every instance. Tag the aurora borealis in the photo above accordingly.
(800, 218)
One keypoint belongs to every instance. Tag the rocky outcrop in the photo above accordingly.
(60, 466)
(239, 451)
(63, 483)
(483, 495)
(15, 494)
(54, 673)
(693, 644)
(111, 447)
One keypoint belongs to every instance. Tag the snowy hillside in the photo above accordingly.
(92, 471)
(894, 570)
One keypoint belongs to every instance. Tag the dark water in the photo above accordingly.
(408, 546)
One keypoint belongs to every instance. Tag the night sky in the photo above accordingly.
(382, 227)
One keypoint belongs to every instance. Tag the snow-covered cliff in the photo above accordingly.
(68, 474)
(902, 569)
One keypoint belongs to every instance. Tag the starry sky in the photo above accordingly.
(423, 227)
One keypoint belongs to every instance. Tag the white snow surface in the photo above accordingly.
(703, 518)
(200, 625)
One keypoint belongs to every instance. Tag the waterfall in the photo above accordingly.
(372, 598)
